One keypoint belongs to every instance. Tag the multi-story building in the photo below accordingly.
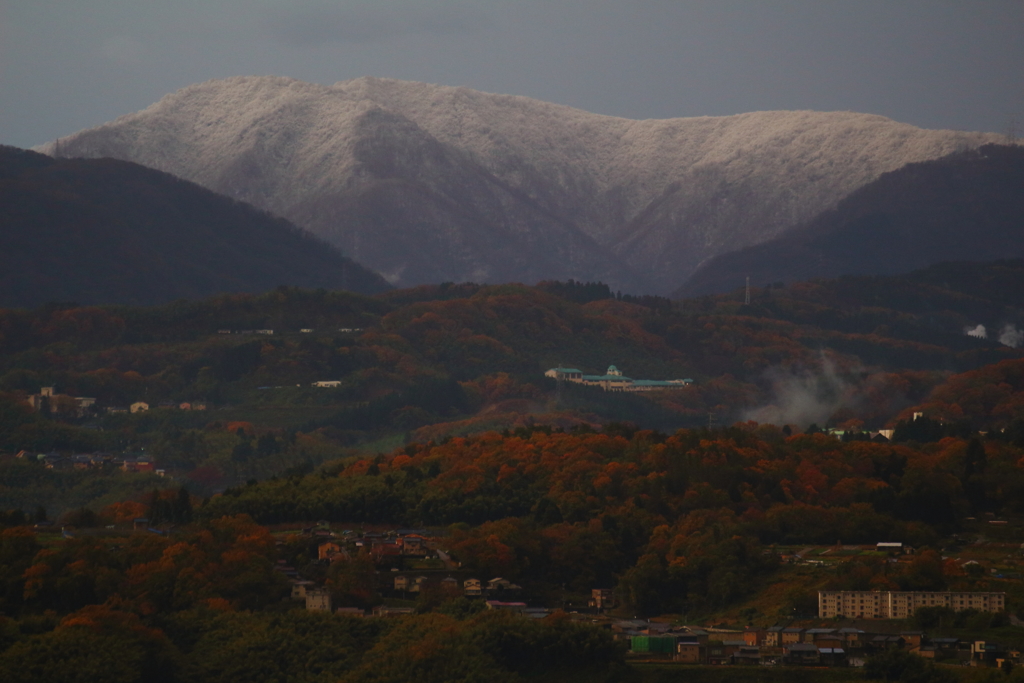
(602, 598)
(902, 604)
(614, 380)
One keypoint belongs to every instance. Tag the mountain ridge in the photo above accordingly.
(653, 198)
(967, 206)
(104, 231)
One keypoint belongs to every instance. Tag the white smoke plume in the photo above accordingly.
(802, 398)
(979, 332)
(1012, 337)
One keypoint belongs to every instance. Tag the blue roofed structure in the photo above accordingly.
(614, 380)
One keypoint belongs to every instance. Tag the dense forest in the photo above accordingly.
(107, 231)
(207, 605)
(680, 523)
(691, 523)
(431, 362)
(437, 415)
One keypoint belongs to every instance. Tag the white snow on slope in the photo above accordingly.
(661, 195)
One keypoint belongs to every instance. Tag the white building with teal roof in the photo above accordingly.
(614, 380)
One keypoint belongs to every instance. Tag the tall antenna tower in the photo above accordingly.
(746, 299)
(572, 256)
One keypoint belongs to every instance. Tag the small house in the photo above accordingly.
(299, 589)
(139, 407)
(318, 600)
(689, 650)
(382, 549)
(890, 547)
(853, 638)
(326, 551)
(912, 639)
(791, 635)
(800, 654)
(773, 636)
(56, 461)
(945, 647)
(602, 598)
(472, 587)
(721, 651)
(824, 637)
(832, 656)
(414, 545)
(747, 655)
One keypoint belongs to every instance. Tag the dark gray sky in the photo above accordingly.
(72, 64)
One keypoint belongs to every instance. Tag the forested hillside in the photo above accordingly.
(693, 523)
(680, 523)
(102, 231)
(441, 419)
(485, 348)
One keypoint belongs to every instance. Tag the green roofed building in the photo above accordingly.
(614, 380)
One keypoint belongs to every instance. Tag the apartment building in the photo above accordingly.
(901, 604)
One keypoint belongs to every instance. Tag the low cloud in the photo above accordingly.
(319, 23)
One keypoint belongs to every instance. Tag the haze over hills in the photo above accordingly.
(968, 206)
(427, 183)
(103, 231)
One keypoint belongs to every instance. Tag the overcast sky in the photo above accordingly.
(72, 64)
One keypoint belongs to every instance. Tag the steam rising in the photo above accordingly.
(1011, 336)
(801, 398)
(978, 332)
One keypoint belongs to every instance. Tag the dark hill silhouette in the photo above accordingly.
(967, 206)
(102, 231)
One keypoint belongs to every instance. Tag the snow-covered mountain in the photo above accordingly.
(427, 183)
